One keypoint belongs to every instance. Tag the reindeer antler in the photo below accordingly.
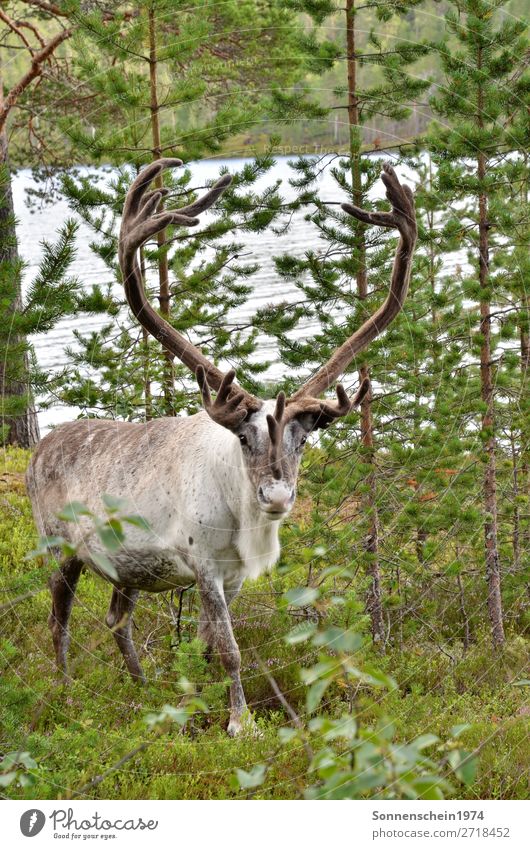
(227, 409)
(403, 218)
(140, 222)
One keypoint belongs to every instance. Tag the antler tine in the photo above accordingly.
(280, 406)
(141, 221)
(200, 374)
(226, 410)
(207, 200)
(344, 404)
(403, 218)
(276, 425)
(148, 198)
(142, 182)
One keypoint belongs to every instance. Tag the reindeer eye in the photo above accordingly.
(243, 439)
(303, 441)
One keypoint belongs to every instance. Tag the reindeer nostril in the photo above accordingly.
(261, 493)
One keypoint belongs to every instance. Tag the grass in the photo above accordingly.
(77, 732)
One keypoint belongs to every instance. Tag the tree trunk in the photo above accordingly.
(524, 330)
(22, 430)
(163, 268)
(493, 572)
(373, 602)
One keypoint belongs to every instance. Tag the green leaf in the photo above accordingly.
(72, 511)
(524, 682)
(249, 780)
(300, 633)
(44, 545)
(429, 786)
(287, 734)
(323, 669)
(7, 778)
(137, 521)
(168, 714)
(424, 741)
(466, 769)
(26, 760)
(111, 534)
(457, 730)
(301, 596)
(102, 562)
(339, 639)
(315, 693)
(371, 675)
(113, 503)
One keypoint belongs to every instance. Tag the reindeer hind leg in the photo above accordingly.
(119, 620)
(62, 585)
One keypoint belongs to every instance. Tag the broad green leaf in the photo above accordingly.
(301, 596)
(429, 786)
(466, 767)
(249, 780)
(457, 730)
(113, 503)
(323, 669)
(137, 521)
(339, 639)
(300, 633)
(26, 759)
(72, 511)
(102, 561)
(424, 741)
(43, 546)
(111, 534)
(287, 734)
(315, 693)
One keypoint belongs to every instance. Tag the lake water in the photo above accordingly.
(268, 287)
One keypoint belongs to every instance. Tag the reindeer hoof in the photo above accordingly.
(243, 726)
(235, 729)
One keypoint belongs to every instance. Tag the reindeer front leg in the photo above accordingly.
(219, 628)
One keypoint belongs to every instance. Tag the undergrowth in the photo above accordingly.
(78, 732)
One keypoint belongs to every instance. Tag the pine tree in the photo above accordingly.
(51, 295)
(18, 416)
(349, 253)
(485, 83)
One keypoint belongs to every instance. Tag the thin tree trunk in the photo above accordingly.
(22, 430)
(163, 268)
(373, 603)
(516, 532)
(493, 572)
(524, 329)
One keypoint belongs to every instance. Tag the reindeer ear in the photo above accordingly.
(307, 421)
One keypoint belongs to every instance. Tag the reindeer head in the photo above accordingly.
(271, 434)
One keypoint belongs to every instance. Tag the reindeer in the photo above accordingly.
(213, 486)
